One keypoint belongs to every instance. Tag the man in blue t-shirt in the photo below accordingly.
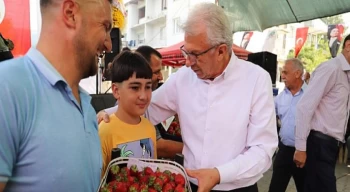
(48, 130)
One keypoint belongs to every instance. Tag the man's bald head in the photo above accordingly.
(46, 3)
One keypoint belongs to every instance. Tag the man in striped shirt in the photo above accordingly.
(321, 121)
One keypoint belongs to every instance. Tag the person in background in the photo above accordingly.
(132, 87)
(48, 133)
(321, 121)
(6, 46)
(165, 148)
(306, 77)
(285, 103)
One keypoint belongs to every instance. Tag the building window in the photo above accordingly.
(164, 4)
(177, 27)
(142, 12)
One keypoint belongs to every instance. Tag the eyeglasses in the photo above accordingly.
(194, 56)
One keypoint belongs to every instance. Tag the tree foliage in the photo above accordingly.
(312, 55)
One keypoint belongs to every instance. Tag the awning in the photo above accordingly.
(172, 56)
(251, 15)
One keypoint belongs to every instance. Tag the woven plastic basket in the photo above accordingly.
(152, 163)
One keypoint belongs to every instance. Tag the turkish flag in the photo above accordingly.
(15, 24)
(300, 38)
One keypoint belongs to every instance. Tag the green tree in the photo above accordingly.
(333, 20)
(312, 57)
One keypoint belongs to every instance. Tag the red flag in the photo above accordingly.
(300, 38)
(15, 24)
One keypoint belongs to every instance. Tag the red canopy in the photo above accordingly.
(172, 55)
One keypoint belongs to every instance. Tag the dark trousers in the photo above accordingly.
(252, 188)
(284, 168)
(322, 151)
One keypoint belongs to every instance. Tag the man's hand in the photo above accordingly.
(300, 158)
(102, 115)
(168, 148)
(207, 178)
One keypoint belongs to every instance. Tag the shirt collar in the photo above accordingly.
(344, 64)
(45, 67)
(303, 88)
(227, 72)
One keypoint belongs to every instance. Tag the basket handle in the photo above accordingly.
(179, 158)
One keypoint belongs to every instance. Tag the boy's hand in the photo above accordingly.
(102, 115)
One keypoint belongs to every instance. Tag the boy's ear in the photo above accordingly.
(115, 90)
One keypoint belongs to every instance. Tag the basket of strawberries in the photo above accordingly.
(144, 175)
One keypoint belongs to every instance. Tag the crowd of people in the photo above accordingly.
(51, 139)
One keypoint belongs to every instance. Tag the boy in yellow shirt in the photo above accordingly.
(128, 129)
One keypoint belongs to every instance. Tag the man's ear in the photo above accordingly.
(347, 46)
(116, 90)
(69, 12)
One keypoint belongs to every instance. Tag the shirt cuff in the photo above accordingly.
(227, 173)
(300, 145)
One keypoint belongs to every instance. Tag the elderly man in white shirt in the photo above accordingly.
(225, 106)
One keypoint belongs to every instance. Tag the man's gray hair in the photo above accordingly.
(217, 24)
(297, 64)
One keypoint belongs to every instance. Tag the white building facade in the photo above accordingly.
(155, 22)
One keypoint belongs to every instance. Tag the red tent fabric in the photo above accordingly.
(172, 55)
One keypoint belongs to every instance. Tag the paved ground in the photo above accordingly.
(342, 173)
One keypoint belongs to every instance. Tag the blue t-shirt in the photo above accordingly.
(48, 142)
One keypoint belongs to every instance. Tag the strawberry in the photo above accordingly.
(106, 189)
(167, 188)
(172, 183)
(165, 178)
(132, 179)
(175, 124)
(180, 180)
(144, 179)
(158, 184)
(178, 133)
(134, 171)
(151, 180)
(143, 188)
(167, 172)
(151, 190)
(148, 171)
(118, 186)
(158, 172)
(179, 188)
(115, 170)
(119, 177)
(134, 187)
(125, 171)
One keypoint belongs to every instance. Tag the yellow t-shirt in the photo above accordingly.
(129, 138)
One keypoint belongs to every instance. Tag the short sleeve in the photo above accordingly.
(9, 129)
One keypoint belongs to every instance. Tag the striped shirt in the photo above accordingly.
(324, 106)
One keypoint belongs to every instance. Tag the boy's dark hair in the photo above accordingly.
(147, 51)
(347, 38)
(126, 49)
(126, 64)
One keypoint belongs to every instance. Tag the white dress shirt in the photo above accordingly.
(228, 123)
(325, 104)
